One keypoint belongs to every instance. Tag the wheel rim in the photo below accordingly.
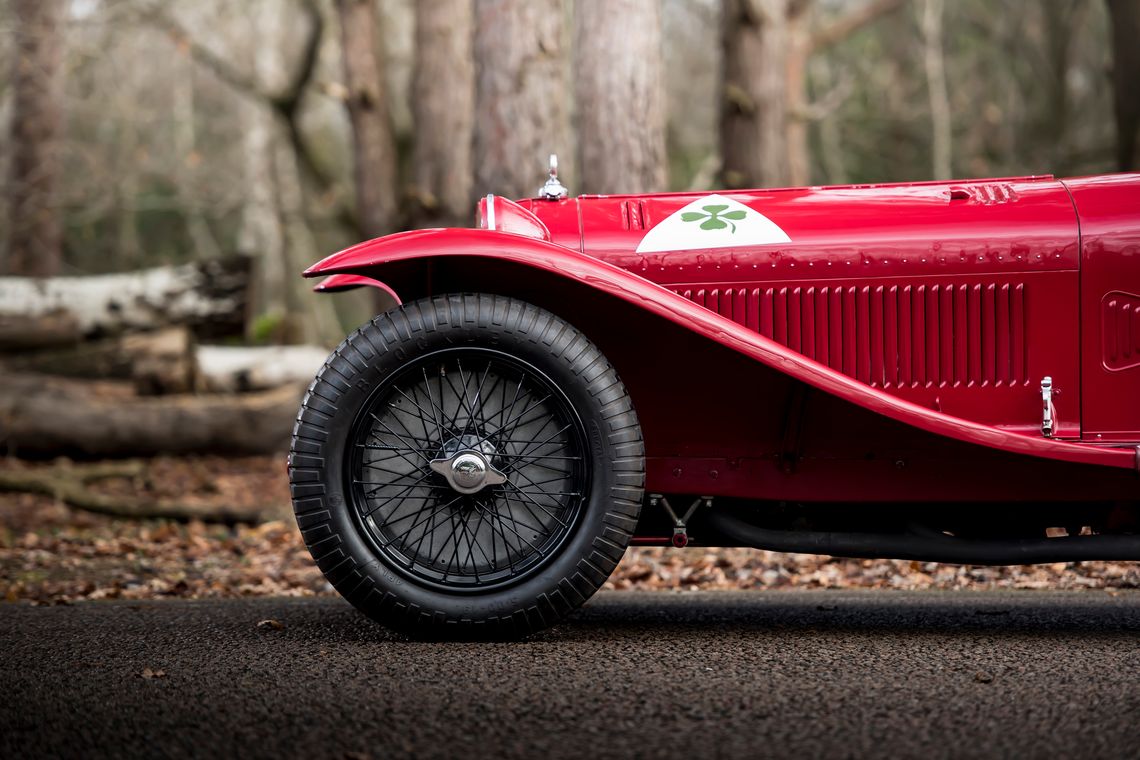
(469, 469)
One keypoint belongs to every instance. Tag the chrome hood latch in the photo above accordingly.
(1049, 412)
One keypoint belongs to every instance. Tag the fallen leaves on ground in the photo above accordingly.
(50, 553)
(692, 568)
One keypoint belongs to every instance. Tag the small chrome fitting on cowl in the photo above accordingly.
(1049, 411)
(553, 190)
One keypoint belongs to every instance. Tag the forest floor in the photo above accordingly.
(50, 553)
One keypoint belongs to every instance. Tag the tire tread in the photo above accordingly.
(383, 334)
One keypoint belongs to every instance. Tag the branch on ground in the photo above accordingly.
(71, 485)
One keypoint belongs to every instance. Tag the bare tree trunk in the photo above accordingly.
(1063, 22)
(443, 108)
(936, 86)
(832, 156)
(186, 151)
(764, 109)
(1126, 81)
(311, 318)
(754, 92)
(123, 97)
(262, 234)
(375, 159)
(522, 112)
(34, 236)
(284, 101)
(128, 248)
(620, 91)
(798, 116)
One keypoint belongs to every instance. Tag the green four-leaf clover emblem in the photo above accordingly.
(715, 217)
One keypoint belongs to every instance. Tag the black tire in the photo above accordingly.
(356, 436)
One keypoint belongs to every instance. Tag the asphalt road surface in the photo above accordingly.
(696, 675)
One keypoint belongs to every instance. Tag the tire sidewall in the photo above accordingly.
(390, 353)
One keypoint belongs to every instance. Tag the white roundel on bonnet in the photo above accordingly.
(712, 222)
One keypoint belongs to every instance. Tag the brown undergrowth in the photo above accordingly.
(51, 553)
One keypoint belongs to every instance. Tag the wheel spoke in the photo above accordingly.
(378, 447)
(430, 530)
(483, 403)
(409, 447)
(543, 466)
(523, 453)
(506, 544)
(396, 416)
(436, 410)
(535, 503)
(465, 403)
(422, 413)
(459, 405)
(475, 401)
(490, 435)
(397, 473)
(519, 420)
(402, 495)
(501, 517)
(531, 483)
(473, 544)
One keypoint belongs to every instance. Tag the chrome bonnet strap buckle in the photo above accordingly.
(1048, 411)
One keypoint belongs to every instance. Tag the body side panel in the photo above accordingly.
(1109, 209)
(959, 297)
(405, 255)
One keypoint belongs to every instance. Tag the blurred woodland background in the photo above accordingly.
(170, 166)
(148, 132)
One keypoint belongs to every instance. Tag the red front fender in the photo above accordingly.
(439, 247)
(339, 283)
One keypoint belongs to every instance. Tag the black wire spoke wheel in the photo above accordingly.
(468, 469)
(467, 465)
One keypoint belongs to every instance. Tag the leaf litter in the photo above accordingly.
(53, 554)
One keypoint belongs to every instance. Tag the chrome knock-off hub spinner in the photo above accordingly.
(465, 463)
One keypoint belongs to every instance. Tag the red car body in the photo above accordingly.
(875, 343)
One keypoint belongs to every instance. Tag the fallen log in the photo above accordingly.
(58, 416)
(20, 332)
(208, 296)
(159, 362)
(71, 485)
(232, 369)
(168, 361)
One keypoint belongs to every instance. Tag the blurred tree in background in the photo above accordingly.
(442, 168)
(143, 132)
(33, 218)
(522, 93)
(620, 89)
(1126, 80)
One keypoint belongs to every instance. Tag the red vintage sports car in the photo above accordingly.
(939, 371)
